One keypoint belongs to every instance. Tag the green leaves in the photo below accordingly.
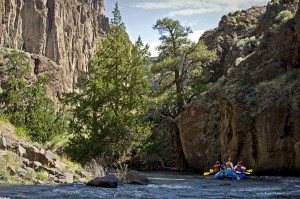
(180, 61)
(117, 18)
(28, 106)
(108, 112)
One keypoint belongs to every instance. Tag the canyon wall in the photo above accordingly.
(64, 31)
(251, 111)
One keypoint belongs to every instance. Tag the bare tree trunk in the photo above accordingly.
(180, 162)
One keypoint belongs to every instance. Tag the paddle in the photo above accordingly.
(211, 171)
(208, 173)
(248, 171)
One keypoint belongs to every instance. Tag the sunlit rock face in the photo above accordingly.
(251, 111)
(64, 31)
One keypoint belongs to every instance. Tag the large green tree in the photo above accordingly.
(108, 112)
(27, 105)
(175, 70)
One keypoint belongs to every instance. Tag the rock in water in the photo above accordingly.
(108, 181)
(134, 177)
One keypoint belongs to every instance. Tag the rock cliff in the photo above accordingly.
(251, 110)
(65, 32)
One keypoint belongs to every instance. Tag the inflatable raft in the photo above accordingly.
(227, 174)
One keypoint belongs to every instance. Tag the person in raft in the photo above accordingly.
(243, 164)
(239, 168)
(229, 165)
(222, 165)
(217, 167)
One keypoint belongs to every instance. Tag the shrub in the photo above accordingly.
(69, 163)
(42, 175)
(4, 118)
(281, 18)
(27, 106)
(21, 132)
(241, 25)
(30, 175)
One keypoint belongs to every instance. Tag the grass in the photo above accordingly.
(22, 133)
(57, 142)
(42, 175)
(30, 175)
(4, 118)
(9, 159)
(283, 79)
(70, 165)
(13, 131)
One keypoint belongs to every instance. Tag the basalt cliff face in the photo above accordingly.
(61, 31)
(251, 111)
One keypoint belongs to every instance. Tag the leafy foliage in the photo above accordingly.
(108, 112)
(117, 18)
(282, 18)
(174, 73)
(179, 63)
(28, 106)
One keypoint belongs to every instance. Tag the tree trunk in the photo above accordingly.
(180, 162)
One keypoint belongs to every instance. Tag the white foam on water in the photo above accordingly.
(285, 193)
(271, 194)
(138, 193)
(292, 180)
(169, 186)
(259, 189)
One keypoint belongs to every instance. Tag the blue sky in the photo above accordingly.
(201, 15)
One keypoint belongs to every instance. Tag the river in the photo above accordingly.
(166, 185)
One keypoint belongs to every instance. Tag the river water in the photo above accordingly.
(167, 185)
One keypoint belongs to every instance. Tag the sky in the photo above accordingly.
(139, 16)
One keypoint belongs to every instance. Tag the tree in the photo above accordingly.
(13, 98)
(117, 17)
(109, 109)
(175, 70)
(27, 105)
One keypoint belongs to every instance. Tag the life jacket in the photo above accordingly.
(216, 168)
(228, 165)
(239, 168)
(222, 167)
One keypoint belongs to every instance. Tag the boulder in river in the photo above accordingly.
(134, 177)
(108, 181)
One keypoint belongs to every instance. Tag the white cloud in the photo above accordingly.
(152, 48)
(190, 7)
(185, 12)
(196, 35)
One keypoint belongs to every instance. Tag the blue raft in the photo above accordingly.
(227, 174)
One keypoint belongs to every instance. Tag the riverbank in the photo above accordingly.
(23, 162)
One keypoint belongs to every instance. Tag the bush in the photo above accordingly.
(282, 18)
(42, 175)
(21, 132)
(241, 25)
(27, 106)
(4, 118)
